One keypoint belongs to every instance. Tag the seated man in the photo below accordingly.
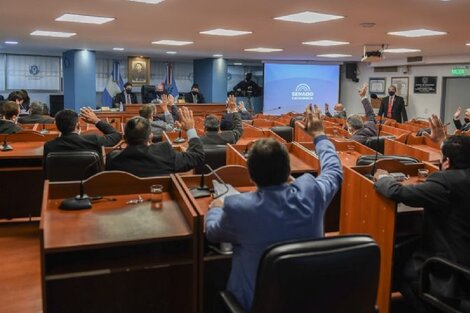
(233, 132)
(195, 96)
(446, 218)
(144, 159)
(458, 125)
(339, 111)
(277, 211)
(36, 115)
(359, 130)
(70, 139)
(158, 124)
(125, 97)
(10, 111)
(19, 97)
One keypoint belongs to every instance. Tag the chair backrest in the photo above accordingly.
(329, 275)
(295, 119)
(215, 156)
(285, 132)
(148, 92)
(72, 165)
(368, 159)
(377, 143)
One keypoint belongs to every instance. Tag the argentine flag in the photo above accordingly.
(170, 83)
(114, 86)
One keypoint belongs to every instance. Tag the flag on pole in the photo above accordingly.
(114, 85)
(170, 82)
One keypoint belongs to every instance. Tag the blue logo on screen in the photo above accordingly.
(302, 92)
(34, 70)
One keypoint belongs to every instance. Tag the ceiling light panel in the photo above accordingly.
(47, 33)
(263, 50)
(334, 55)
(401, 50)
(84, 19)
(172, 42)
(325, 43)
(225, 32)
(308, 17)
(417, 33)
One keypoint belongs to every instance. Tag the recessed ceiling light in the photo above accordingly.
(467, 44)
(334, 55)
(171, 52)
(225, 32)
(417, 33)
(237, 63)
(325, 43)
(52, 34)
(263, 50)
(172, 42)
(118, 49)
(401, 50)
(148, 1)
(9, 42)
(85, 19)
(309, 17)
(218, 55)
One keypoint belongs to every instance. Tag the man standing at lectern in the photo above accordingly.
(393, 106)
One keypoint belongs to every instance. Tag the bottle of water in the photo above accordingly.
(121, 107)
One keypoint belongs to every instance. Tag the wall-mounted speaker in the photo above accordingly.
(351, 71)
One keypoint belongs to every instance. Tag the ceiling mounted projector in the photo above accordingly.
(372, 55)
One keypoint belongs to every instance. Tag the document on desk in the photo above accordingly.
(223, 190)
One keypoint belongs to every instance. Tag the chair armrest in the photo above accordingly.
(231, 304)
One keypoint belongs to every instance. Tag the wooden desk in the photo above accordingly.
(300, 135)
(364, 211)
(251, 134)
(22, 177)
(118, 257)
(422, 152)
(265, 124)
(301, 160)
(400, 135)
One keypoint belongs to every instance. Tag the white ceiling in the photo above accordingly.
(138, 24)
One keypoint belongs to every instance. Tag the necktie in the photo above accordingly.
(128, 98)
(390, 106)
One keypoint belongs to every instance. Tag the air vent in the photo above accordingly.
(386, 69)
(414, 59)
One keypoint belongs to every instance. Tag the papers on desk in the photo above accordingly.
(223, 190)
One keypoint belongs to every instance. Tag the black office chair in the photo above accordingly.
(148, 93)
(215, 156)
(285, 132)
(329, 275)
(377, 143)
(72, 165)
(453, 294)
(368, 159)
(295, 119)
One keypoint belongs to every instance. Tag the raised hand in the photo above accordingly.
(241, 105)
(165, 102)
(327, 107)
(438, 131)
(87, 115)
(313, 122)
(186, 118)
(457, 113)
(379, 173)
(363, 90)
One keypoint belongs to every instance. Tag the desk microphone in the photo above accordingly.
(201, 191)
(44, 131)
(5, 145)
(220, 181)
(179, 139)
(81, 201)
(273, 109)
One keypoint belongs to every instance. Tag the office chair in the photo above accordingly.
(368, 159)
(285, 132)
(148, 93)
(377, 143)
(328, 275)
(215, 156)
(453, 293)
(295, 119)
(72, 165)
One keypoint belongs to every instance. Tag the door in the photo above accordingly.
(456, 93)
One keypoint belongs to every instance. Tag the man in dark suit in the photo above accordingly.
(360, 130)
(446, 219)
(10, 111)
(125, 97)
(277, 211)
(36, 115)
(195, 96)
(212, 127)
(144, 159)
(393, 106)
(70, 139)
(458, 125)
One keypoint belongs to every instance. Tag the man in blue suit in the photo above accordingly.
(276, 211)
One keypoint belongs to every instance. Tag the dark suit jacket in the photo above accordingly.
(156, 159)
(121, 98)
(446, 224)
(226, 136)
(369, 129)
(8, 127)
(36, 118)
(76, 142)
(398, 109)
(188, 98)
(458, 125)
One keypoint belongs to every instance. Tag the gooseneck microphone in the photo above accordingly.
(5, 145)
(179, 139)
(202, 190)
(44, 131)
(215, 196)
(81, 201)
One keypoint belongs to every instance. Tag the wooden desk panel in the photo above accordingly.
(419, 151)
(251, 134)
(24, 150)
